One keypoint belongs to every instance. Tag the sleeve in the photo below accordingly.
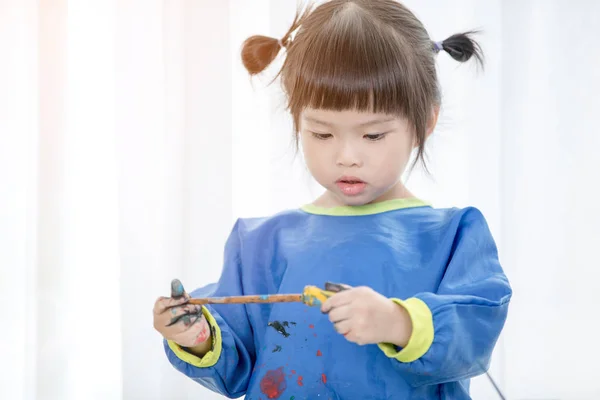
(455, 330)
(227, 368)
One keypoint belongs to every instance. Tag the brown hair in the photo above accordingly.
(368, 55)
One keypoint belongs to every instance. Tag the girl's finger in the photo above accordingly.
(186, 324)
(162, 304)
(337, 300)
(340, 313)
(177, 289)
(182, 313)
(159, 305)
(197, 333)
(343, 328)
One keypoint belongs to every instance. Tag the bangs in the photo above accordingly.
(370, 56)
(354, 62)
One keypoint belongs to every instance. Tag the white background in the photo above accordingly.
(131, 138)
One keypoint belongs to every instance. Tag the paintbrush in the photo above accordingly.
(311, 296)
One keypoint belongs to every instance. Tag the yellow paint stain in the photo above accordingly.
(314, 296)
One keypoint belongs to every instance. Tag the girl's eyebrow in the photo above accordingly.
(367, 123)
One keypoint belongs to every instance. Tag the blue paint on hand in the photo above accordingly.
(176, 288)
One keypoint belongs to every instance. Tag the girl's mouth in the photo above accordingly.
(351, 186)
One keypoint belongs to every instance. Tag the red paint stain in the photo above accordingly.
(273, 383)
(293, 371)
(202, 336)
(319, 354)
(324, 378)
(300, 383)
(311, 326)
(314, 334)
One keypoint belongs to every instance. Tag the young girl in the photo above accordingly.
(424, 297)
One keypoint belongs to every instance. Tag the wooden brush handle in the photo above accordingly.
(312, 296)
(273, 298)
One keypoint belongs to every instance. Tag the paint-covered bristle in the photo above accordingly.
(313, 296)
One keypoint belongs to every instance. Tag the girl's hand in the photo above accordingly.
(179, 321)
(364, 316)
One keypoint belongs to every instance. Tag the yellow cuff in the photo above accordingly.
(209, 358)
(421, 337)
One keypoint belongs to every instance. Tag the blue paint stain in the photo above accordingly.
(176, 288)
(264, 297)
(311, 300)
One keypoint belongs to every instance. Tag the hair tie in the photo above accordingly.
(438, 46)
(285, 44)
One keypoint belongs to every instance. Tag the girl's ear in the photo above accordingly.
(432, 121)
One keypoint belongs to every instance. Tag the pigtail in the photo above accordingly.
(258, 51)
(461, 47)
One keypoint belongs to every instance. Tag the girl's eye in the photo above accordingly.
(322, 136)
(375, 136)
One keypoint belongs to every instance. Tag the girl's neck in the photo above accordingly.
(398, 191)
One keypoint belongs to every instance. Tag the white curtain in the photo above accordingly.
(131, 138)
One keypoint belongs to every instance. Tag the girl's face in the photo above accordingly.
(358, 157)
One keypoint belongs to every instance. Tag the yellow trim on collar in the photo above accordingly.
(366, 209)
(422, 335)
(209, 358)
